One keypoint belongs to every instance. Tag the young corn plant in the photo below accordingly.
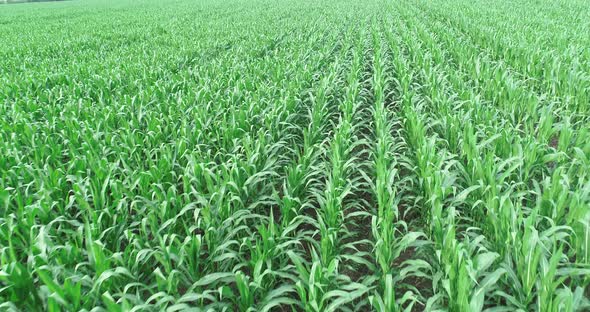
(267, 156)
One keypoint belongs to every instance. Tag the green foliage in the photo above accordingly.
(295, 156)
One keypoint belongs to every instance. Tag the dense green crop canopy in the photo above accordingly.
(291, 155)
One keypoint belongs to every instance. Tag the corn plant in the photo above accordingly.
(300, 156)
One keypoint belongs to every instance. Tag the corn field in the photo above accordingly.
(261, 155)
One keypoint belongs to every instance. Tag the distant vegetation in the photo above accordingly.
(24, 1)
